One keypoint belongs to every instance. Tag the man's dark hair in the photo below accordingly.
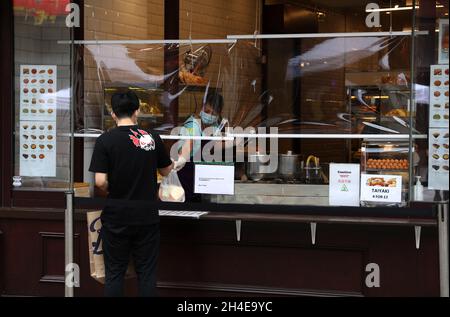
(215, 100)
(124, 104)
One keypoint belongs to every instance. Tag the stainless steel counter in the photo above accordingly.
(276, 194)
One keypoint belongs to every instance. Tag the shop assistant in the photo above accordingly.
(125, 162)
(203, 124)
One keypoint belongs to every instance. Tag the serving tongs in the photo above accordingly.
(379, 127)
(405, 124)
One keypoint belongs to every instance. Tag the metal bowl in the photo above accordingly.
(257, 167)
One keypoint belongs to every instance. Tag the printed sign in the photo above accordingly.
(344, 184)
(381, 188)
(214, 179)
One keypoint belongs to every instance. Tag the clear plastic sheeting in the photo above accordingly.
(311, 86)
(172, 81)
(342, 90)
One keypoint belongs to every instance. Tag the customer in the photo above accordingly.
(125, 163)
(205, 123)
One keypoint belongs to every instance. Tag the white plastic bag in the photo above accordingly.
(171, 190)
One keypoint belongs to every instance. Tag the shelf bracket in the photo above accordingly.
(418, 231)
(313, 232)
(238, 230)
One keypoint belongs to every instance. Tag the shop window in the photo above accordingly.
(338, 81)
(333, 98)
(42, 96)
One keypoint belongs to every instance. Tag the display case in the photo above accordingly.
(151, 108)
(388, 162)
(154, 101)
(387, 106)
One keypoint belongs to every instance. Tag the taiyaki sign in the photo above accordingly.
(381, 188)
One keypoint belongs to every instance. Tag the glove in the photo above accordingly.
(179, 165)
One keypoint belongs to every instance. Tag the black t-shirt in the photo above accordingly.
(130, 157)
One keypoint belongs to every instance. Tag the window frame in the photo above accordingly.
(9, 197)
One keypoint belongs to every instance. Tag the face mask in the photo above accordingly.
(208, 119)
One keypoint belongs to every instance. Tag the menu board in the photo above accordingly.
(439, 96)
(438, 140)
(38, 104)
(38, 93)
(438, 159)
(37, 148)
(381, 188)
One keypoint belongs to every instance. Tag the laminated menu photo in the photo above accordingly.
(38, 92)
(37, 149)
(438, 159)
(439, 96)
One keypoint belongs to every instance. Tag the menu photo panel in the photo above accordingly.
(37, 149)
(439, 96)
(38, 88)
(38, 118)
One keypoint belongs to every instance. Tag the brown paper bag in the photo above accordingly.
(96, 261)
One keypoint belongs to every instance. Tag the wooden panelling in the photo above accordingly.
(274, 257)
(38, 199)
(6, 101)
(221, 290)
(203, 258)
(52, 259)
(2, 265)
(266, 267)
(34, 259)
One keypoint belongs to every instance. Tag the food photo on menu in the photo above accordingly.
(439, 158)
(381, 182)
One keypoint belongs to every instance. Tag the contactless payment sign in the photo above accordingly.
(344, 185)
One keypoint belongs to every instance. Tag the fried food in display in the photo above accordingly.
(381, 182)
(388, 164)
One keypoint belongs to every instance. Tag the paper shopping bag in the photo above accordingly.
(96, 261)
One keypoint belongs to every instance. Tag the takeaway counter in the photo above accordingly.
(326, 175)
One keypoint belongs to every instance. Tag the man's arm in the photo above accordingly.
(166, 170)
(101, 181)
(165, 164)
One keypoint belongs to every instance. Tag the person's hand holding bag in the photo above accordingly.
(171, 190)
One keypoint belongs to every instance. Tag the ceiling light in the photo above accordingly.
(398, 8)
(390, 9)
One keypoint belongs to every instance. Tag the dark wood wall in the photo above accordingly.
(203, 258)
(2, 265)
(6, 101)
